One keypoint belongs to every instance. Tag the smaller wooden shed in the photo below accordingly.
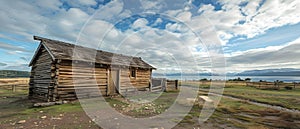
(57, 70)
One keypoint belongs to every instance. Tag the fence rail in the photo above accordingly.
(162, 84)
(14, 87)
(259, 85)
(14, 84)
(273, 85)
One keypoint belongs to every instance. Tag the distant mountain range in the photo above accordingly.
(271, 72)
(182, 74)
(13, 74)
(264, 72)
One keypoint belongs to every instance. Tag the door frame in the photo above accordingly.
(115, 80)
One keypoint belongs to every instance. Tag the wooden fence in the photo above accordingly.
(273, 85)
(14, 84)
(172, 85)
(260, 85)
(162, 84)
(158, 84)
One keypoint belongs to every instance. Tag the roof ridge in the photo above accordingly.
(64, 50)
(75, 45)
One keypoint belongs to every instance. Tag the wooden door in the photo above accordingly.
(115, 77)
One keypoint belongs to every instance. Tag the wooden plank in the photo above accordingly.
(82, 68)
(81, 88)
(77, 85)
(82, 73)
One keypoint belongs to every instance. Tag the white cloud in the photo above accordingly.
(152, 4)
(88, 2)
(49, 4)
(176, 46)
(184, 16)
(272, 14)
(2, 64)
(12, 48)
(250, 8)
(140, 23)
(110, 11)
(157, 21)
(282, 56)
(161, 48)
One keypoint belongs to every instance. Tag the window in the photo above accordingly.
(132, 72)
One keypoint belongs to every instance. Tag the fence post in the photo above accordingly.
(200, 82)
(14, 88)
(150, 85)
(176, 84)
(164, 84)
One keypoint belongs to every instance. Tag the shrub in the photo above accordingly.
(236, 79)
(203, 79)
(288, 87)
(248, 79)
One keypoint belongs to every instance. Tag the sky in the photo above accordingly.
(172, 35)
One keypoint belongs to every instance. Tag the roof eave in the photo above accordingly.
(35, 54)
(39, 47)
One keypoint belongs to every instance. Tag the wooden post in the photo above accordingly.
(176, 84)
(150, 87)
(107, 80)
(276, 84)
(164, 84)
(14, 88)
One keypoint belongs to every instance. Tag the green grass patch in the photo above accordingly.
(282, 97)
(56, 109)
(10, 93)
(285, 98)
(229, 112)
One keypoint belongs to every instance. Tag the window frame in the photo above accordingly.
(133, 70)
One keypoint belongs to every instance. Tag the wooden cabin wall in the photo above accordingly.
(40, 78)
(140, 82)
(87, 78)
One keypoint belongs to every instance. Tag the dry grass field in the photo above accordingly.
(8, 81)
(14, 84)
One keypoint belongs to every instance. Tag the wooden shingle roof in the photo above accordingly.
(66, 51)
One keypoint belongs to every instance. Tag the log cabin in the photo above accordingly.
(59, 70)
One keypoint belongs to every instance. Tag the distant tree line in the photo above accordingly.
(239, 79)
(235, 79)
(13, 74)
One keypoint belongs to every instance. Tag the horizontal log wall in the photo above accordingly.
(82, 79)
(140, 82)
(41, 76)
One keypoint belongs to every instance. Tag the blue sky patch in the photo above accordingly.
(260, 4)
(214, 3)
(272, 37)
(126, 23)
